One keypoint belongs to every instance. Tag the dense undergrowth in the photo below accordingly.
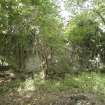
(84, 82)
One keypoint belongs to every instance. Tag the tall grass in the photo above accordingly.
(84, 82)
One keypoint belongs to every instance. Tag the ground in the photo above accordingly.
(70, 91)
(49, 98)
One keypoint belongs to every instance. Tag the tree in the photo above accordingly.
(29, 26)
(84, 33)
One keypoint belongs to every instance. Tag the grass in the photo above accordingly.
(92, 83)
(84, 82)
(9, 86)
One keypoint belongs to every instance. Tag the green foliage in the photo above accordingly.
(86, 35)
(81, 26)
(85, 82)
(22, 21)
(34, 27)
(12, 86)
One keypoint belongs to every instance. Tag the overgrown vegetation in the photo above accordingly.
(84, 82)
(52, 45)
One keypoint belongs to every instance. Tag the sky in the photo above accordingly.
(66, 14)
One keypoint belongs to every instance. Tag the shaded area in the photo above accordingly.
(49, 98)
(82, 89)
